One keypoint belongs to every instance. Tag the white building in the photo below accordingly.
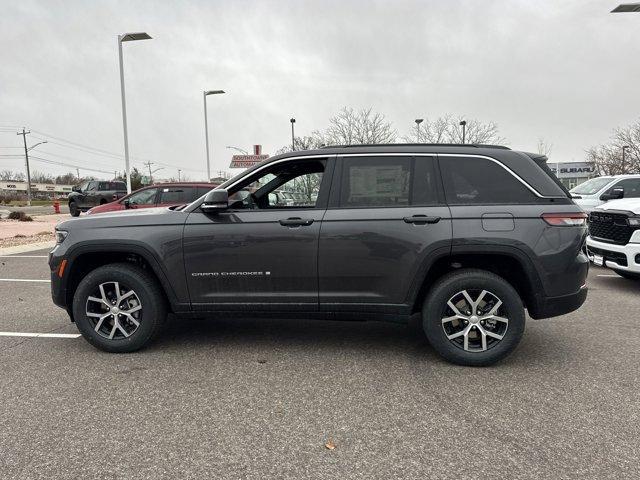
(37, 189)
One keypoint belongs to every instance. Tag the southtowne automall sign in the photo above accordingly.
(247, 161)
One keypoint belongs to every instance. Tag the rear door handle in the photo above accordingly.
(421, 219)
(296, 222)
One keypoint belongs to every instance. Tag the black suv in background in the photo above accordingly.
(92, 193)
(466, 236)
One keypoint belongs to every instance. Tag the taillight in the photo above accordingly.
(565, 219)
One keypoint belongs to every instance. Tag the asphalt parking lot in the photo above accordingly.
(261, 398)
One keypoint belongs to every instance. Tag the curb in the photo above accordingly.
(30, 247)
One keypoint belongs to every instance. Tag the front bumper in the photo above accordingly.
(617, 257)
(58, 284)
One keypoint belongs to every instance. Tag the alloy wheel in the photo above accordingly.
(114, 310)
(475, 325)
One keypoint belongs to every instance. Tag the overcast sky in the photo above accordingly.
(564, 70)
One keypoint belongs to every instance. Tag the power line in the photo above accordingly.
(54, 162)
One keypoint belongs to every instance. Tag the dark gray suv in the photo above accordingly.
(466, 236)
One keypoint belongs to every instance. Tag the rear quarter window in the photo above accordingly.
(479, 181)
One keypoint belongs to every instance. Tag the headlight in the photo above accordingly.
(60, 236)
(634, 222)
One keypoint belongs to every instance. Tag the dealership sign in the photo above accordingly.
(572, 169)
(247, 161)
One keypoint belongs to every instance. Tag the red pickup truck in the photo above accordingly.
(160, 195)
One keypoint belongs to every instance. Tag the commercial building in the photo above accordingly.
(45, 190)
(572, 174)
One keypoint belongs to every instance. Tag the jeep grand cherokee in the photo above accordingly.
(465, 236)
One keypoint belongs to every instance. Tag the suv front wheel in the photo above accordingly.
(473, 317)
(119, 308)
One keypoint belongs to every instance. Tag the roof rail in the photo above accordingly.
(473, 145)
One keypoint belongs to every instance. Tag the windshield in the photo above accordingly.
(591, 186)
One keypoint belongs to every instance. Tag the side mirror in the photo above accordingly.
(75, 188)
(615, 194)
(127, 203)
(215, 201)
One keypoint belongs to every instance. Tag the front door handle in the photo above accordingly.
(421, 219)
(296, 222)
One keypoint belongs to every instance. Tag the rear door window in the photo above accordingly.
(479, 181)
(176, 195)
(202, 190)
(382, 181)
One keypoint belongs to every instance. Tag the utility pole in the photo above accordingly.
(148, 164)
(26, 158)
(463, 123)
(78, 174)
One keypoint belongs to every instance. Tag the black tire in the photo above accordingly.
(73, 209)
(152, 315)
(628, 275)
(436, 308)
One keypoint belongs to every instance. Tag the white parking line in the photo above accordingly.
(39, 335)
(24, 256)
(23, 280)
(614, 276)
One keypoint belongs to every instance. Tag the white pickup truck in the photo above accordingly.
(614, 237)
(599, 190)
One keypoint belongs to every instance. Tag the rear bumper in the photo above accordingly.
(617, 257)
(548, 307)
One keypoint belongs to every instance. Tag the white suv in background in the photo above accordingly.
(597, 191)
(614, 237)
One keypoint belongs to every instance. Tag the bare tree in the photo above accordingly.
(447, 129)
(67, 179)
(544, 147)
(308, 142)
(351, 127)
(41, 177)
(12, 176)
(609, 158)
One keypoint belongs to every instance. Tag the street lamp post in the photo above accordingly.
(624, 157)
(293, 136)
(241, 150)
(127, 37)
(179, 174)
(205, 94)
(463, 123)
(418, 122)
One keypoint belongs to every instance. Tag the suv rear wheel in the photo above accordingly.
(473, 317)
(119, 308)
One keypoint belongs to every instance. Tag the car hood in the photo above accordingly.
(626, 204)
(127, 218)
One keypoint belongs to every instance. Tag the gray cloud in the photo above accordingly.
(564, 71)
